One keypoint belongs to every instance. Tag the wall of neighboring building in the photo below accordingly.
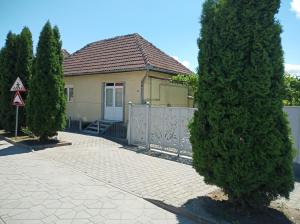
(89, 93)
(160, 92)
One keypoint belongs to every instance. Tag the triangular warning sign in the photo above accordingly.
(18, 86)
(18, 101)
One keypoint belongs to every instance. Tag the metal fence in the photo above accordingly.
(166, 128)
(162, 128)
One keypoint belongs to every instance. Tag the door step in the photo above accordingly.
(95, 129)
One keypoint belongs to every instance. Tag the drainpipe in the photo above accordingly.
(143, 83)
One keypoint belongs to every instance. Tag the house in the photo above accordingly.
(102, 77)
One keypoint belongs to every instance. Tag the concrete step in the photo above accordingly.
(90, 132)
(93, 127)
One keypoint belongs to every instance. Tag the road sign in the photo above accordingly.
(18, 101)
(18, 86)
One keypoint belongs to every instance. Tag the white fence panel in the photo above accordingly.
(166, 128)
(169, 129)
(138, 133)
(294, 120)
(163, 128)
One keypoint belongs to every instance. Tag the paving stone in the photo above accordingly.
(40, 190)
(139, 174)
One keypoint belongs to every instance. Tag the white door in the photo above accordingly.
(114, 98)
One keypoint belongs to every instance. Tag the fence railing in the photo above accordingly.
(166, 128)
(162, 128)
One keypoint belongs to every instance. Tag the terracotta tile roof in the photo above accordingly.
(124, 53)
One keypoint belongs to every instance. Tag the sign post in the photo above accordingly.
(17, 118)
(18, 101)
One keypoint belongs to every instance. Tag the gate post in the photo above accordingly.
(69, 122)
(129, 123)
(180, 143)
(147, 125)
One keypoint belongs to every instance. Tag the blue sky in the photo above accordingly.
(171, 25)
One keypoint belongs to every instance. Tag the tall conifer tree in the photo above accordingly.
(8, 76)
(24, 65)
(46, 100)
(1, 83)
(240, 134)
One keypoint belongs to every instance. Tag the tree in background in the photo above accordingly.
(292, 85)
(8, 76)
(239, 134)
(46, 100)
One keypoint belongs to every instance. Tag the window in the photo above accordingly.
(119, 97)
(109, 97)
(69, 92)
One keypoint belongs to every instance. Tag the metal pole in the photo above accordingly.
(129, 123)
(147, 125)
(17, 116)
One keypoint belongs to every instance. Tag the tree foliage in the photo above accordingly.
(239, 134)
(46, 100)
(8, 76)
(292, 85)
(24, 66)
(16, 61)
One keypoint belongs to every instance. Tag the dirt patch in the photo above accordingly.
(215, 206)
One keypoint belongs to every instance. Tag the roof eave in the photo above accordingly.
(171, 72)
(104, 72)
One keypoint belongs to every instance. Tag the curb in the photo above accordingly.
(34, 148)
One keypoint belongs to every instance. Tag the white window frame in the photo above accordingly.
(68, 87)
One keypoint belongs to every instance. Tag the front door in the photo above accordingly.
(114, 98)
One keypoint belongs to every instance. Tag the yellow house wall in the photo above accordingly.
(88, 93)
(163, 93)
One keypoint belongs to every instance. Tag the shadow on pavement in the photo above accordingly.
(216, 211)
(13, 150)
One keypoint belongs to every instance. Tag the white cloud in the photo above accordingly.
(176, 58)
(293, 69)
(184, 62)
(295, 6)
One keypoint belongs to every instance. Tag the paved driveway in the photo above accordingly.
(34, 189)
(142, 175)
(145, 176)
(97, 169)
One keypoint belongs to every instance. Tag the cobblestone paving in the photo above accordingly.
(34, 189)
(145, 176)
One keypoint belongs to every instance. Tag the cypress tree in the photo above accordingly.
(46, 100)
(1, 83)
(240, 134)
(8, 76)
(24, 65)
